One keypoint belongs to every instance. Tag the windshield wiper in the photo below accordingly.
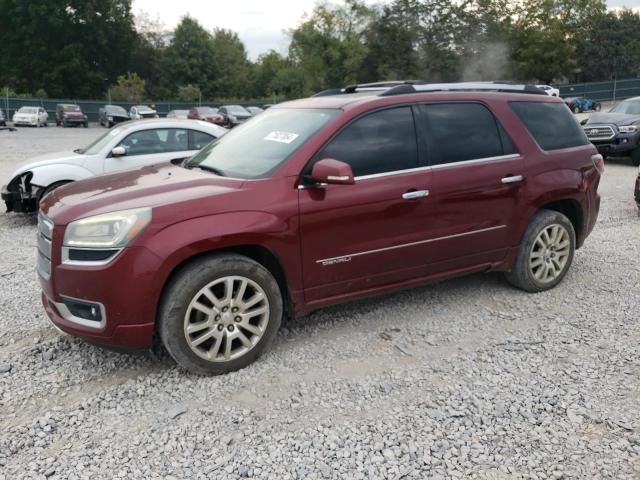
(206, 168)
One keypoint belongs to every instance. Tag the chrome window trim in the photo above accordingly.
(67, 261)
(478, 160)
(329, 261)
(67, 315)
(394, 172)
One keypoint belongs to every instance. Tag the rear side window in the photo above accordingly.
(382, 141)
(457, 132)
(552, 125)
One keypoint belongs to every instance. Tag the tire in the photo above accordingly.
(528, 272)
(219, 274)
(635, 157)
(64, 124)
(576, 109)
(597, 107)
(51, 188)
(86, 124)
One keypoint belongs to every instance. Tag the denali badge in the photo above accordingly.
(333, 261)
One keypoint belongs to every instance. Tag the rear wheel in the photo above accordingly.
(51, 188)
(576, 109)
(597, 107)
(545, 254)
(219, 314)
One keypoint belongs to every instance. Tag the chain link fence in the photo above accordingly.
(90, 107)
(612, 90)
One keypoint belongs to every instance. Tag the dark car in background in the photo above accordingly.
(617, 132)
(235, 114)
(207, 114)
(178, 114)
(70, 114)
(582, 104)
(109, 115)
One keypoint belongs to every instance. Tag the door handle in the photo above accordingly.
(513, 179)
(413, 195)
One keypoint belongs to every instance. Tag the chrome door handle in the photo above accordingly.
(514, 179)
(415, 194)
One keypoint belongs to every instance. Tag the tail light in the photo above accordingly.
(598, 162)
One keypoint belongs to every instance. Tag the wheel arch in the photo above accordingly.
(572, 209)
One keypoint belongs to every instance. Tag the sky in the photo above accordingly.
(261, 24)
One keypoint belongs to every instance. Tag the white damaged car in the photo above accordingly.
(130, 145)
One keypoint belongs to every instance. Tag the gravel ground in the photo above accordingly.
(468, 378)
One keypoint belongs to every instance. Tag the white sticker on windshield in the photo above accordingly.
(282, 137)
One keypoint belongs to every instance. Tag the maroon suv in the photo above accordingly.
(315, 202)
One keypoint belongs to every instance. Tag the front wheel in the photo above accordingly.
(545, 253)
(576, 109)
(219, 314)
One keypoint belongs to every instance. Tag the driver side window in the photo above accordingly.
(162, 140)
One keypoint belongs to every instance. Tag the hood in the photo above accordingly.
(613, 118)
(156, 186)
(67, 157)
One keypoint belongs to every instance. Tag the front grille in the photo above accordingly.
(45, 235)
(599, 132)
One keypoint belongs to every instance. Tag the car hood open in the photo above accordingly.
(613, 118)
(152, 186)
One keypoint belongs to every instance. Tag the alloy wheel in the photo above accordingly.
(550, 253)
(226, 318)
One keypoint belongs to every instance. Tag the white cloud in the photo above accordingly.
(261, 24)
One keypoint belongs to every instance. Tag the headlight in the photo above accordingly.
(109, 230)
(628, 128)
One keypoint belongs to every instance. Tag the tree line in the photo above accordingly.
(89, 48)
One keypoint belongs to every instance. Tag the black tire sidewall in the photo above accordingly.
(521, 275)
(184, 286)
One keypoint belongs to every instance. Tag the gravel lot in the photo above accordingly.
(465, 379)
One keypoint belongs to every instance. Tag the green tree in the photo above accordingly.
(190, 59)
(231, 57)
(189, 93)
(67, 47)
(130, 88)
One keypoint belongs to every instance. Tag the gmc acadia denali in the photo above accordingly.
(350, 193)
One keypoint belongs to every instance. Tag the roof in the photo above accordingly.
(171, 123)
(353, 95)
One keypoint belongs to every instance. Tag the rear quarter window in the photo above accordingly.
(552, 125)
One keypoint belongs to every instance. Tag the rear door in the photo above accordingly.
(477, 186)
(361, 236)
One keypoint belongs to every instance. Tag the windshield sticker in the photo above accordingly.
(281, 137)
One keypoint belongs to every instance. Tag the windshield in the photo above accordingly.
(257, 148)
(630, 108)
(28, 110)
(237, 110)
(207, 111)
(114, 109)
(144, 109)
(95, 147)
(71, 108)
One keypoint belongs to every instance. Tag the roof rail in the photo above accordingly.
(369, 87)
(464, 86)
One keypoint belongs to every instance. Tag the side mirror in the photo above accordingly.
(584, 121)
(118, 152)
(332, 171)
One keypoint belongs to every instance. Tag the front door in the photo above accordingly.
(361, 236)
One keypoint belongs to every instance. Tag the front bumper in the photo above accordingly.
(127, 290)
(74, 120)
(17, 200)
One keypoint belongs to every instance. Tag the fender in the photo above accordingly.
(48, 174)
(181, 241)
